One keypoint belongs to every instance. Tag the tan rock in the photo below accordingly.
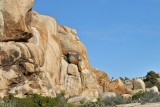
(139, 84)
(89, 79)
(153, 89)
(127, 96)
(73, 70)
(40, 55)
(16, 19)
(9, 75)
(108, 94)
(34, 85)
(29, 67)
(68, 33)
(3, 83)
(129, 84)
(74, 58)
(102, 78)
(50, 47)
(64, 68)
(70, 43)
(118, 87)
(86, 96)
(3, 93)
(73, 85)
(1, 24)
(137, 91)
(70, 79)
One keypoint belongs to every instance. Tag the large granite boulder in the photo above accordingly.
(138, 84)
(102, 78)
(15, 18)
(118, 87)
(153, 89)
(129, 84)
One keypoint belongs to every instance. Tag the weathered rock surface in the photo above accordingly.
(74, 58)
(15, 19)
(126, 96)
(107, 94)
(87, 95)
(102, 78)
(129, 84)
(153, 89)
(139, 84)
(118, 87)
(39, 56)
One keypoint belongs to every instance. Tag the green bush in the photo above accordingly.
(38, 101)
(66, 58)
(112, 101)
(138, 95)
(124, 79)
(151, 80)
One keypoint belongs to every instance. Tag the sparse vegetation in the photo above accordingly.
(124, 79)
(40, 101)
(36, 101)
(112, 101)
(66, 58)
(146, 97)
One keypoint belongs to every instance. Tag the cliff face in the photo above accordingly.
(39, 56)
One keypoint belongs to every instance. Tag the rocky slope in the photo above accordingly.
(39, 56)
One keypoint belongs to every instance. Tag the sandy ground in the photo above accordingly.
(140, 105)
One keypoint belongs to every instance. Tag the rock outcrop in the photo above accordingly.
(118, 87)
(139, 84)
(153, 89)
(39, 56)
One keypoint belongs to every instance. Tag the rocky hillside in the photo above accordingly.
(39, 56)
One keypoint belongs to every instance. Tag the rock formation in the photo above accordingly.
(153, 89)
(139, 84)
(39, 56)
(118, 87)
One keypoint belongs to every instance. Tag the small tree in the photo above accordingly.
(126, 78)
(151, 80)
(122, 79)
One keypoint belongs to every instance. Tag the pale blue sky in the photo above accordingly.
(122, 37)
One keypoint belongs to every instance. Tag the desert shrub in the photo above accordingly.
(7, 104)
(124, 79)
(151, 74)
(38, 101)
(99, 103)
(151, 80)
(146, 97)
(111, 101)
(66, 58)
(138, 95)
